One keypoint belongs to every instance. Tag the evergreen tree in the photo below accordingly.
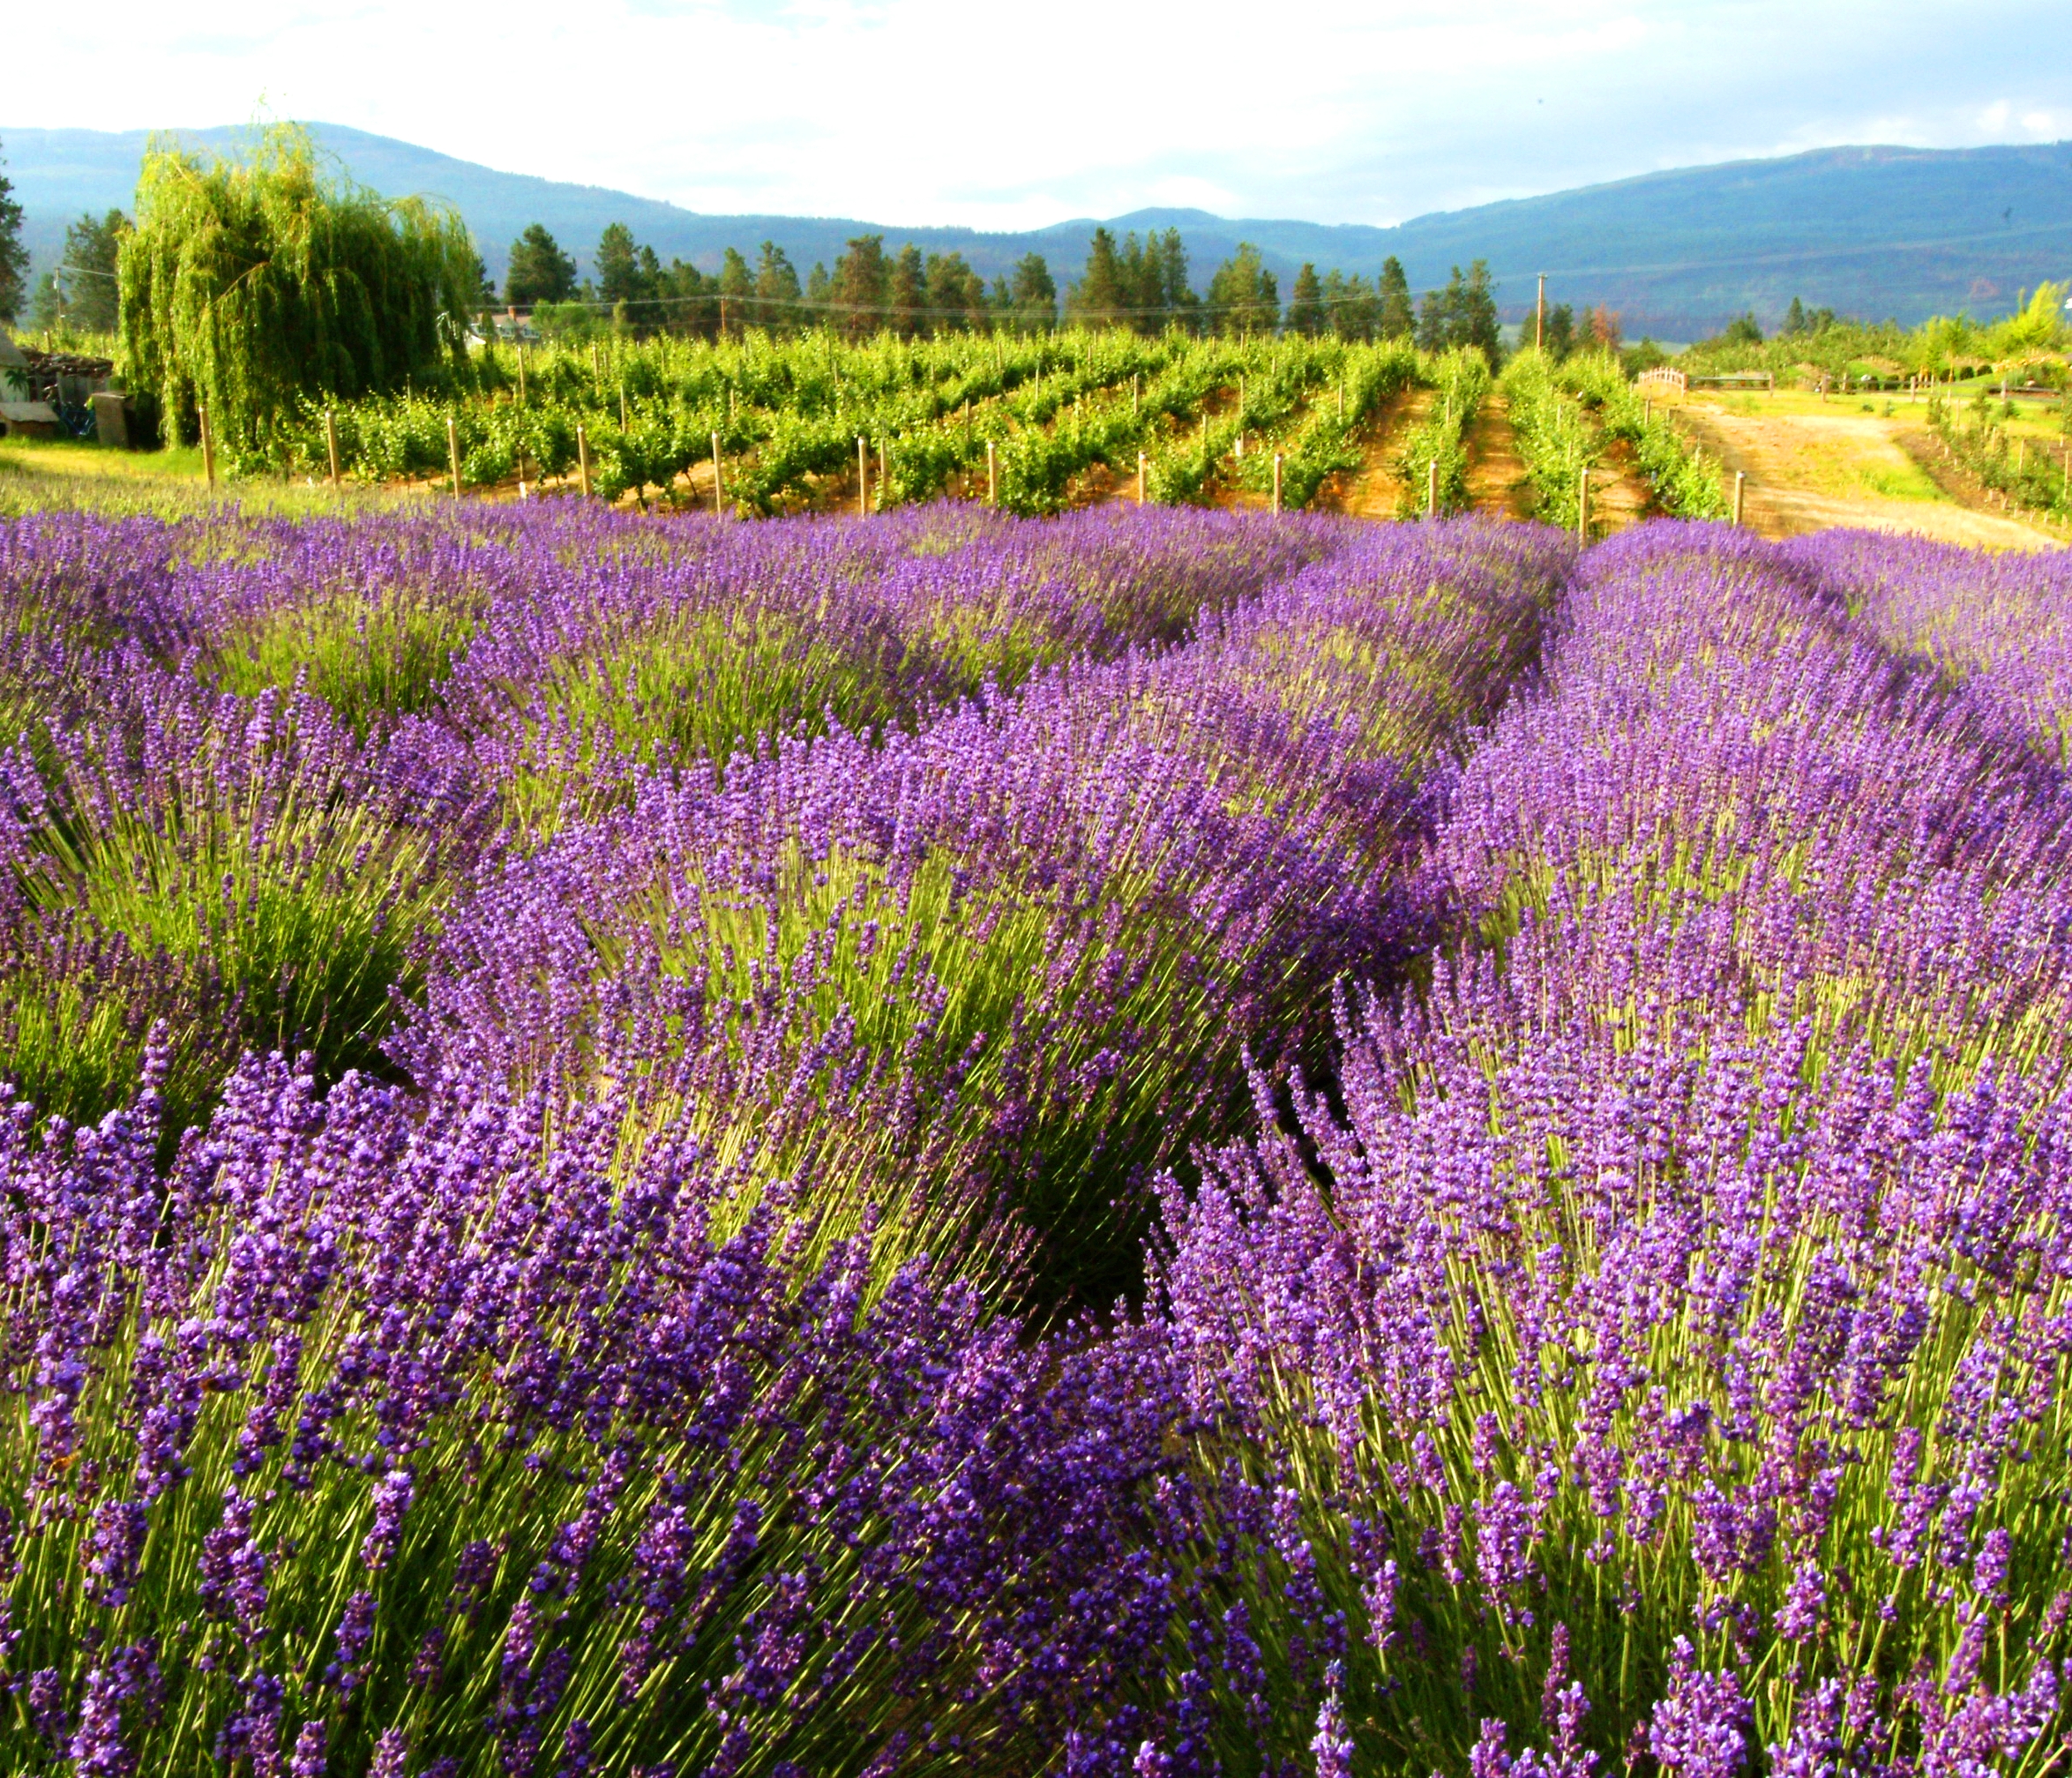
(1440, 319)
(1101, 297)
(1744, 330)
(1477, 322)
(819, 292)
(14, 257)
(956, 294)
(776, 288)
(688, 301)
(1350, 308)
(1182, 306)
(1604, 329)
(735, 283)
(857, 290)
(1306, 303)
(618, 262)
(906, 295)
(1032, 293)
(1397, 320)
(1243, 295)
(81, 292)
(539, 271)
(1796, 321)
(1560, 338)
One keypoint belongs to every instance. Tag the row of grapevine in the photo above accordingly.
(1567, 416)
(2032, 478)
(786, 417)
(1461, 383)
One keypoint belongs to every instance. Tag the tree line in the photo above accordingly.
(1141, 284)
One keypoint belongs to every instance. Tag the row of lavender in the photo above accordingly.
(565, 1384)
(1653, 1354)
(1643, 1348)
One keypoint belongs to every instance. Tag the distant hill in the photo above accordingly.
(1873, 232)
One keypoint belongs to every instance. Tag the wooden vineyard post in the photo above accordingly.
(718, 475)
(1582, 505)
(1539, 316)
(583, 460)
(1276, 482)
(625, 421)
(884, 471)
(863, 478)
(1136, 390)
(453, 459)
(208, 447)
(1342, 398)
(992, 476)
(1431, 489)
(1141, 461)
(1740, 480)
(331, 443)
(522, 376)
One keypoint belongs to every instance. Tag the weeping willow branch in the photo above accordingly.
(252, 283)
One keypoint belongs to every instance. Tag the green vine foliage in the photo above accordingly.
(250, 282)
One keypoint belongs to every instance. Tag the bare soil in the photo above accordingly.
(1811, 471)
(1497, 481)
(1374, 491)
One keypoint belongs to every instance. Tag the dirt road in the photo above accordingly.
(1810, 470)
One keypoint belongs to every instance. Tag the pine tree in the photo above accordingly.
(906, 297)
(1032, 293)
(1099, 298)
(1478, 316)
(956, 294)
(1795, 320)
(539, 271)
(1182, 306)
(1397, 319)
(1306, 303)
(857, 289)
(81, 292)
(1561, 331)
(1440, 323)
(776, 288)
(736, 283)
(1243, 295)
(14, 257)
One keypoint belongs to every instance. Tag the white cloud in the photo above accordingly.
(936, 110)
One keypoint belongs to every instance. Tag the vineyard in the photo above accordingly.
(1150, 1141)
(766, 427)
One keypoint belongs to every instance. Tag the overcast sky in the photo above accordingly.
(1013, 116)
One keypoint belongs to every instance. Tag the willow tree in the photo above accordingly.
(252, 282)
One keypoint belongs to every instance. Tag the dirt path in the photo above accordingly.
(1497, 481)
(1373, 490)
(1807, 472)
(1620, 494)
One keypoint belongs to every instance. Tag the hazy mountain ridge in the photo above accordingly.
(1873, 231)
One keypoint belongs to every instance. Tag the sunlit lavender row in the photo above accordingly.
(1159, 1143)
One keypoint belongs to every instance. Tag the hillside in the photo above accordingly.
(1872, 231)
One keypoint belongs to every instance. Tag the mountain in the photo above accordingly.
(1871, 231)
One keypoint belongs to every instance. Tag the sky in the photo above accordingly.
(1017, 115)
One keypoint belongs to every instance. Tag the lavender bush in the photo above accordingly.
(1659, 1362)
(1590, 1033)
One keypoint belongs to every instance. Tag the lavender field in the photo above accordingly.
(1153, 1144)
